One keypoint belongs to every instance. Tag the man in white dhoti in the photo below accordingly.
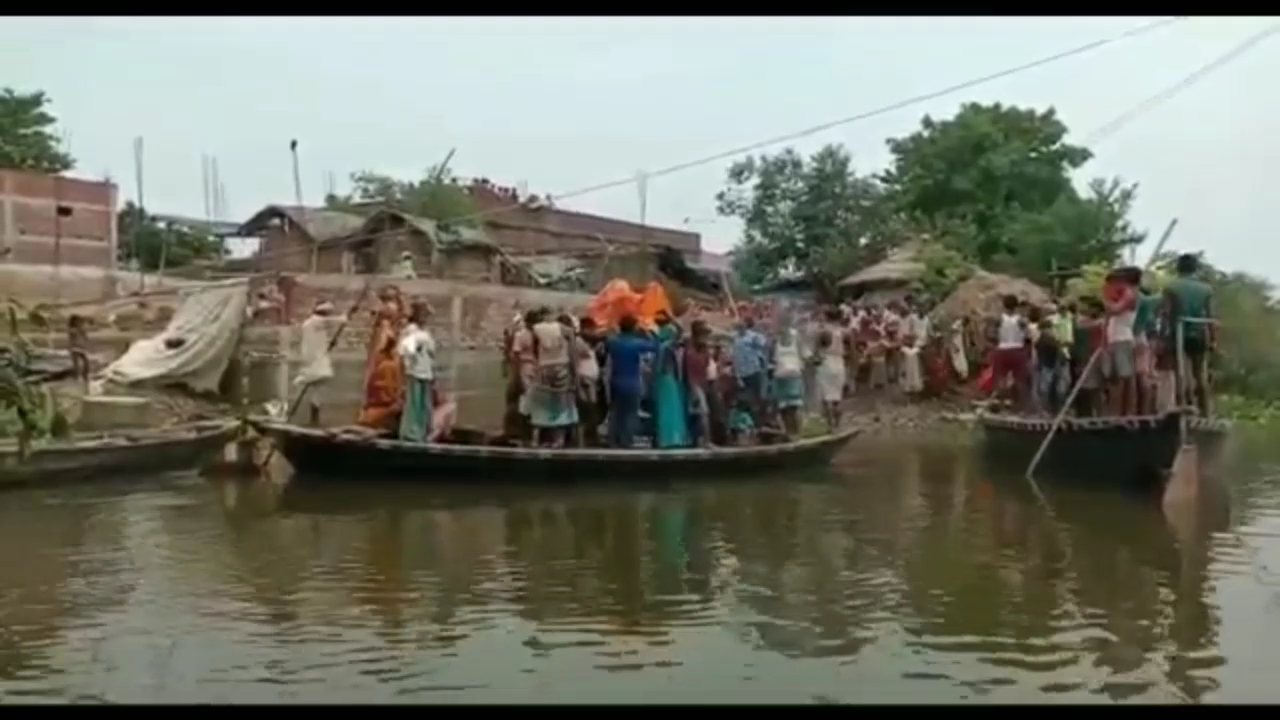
(317, 369)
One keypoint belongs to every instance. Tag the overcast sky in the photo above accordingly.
(564, 103)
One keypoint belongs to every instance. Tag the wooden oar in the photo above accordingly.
(1088, 367)
(302, 394)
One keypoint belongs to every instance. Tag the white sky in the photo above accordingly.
(564, 103)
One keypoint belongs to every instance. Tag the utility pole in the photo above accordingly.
(139, 213)
(297, 198)
(642, 188)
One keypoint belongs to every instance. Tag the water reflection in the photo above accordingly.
(908, 575)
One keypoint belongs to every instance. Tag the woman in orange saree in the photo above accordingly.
(384, 376)
(384, 390)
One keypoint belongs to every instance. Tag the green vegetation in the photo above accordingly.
(27, 411)
(148, 242)
(992, 188)
(27, 139)
(435, 196)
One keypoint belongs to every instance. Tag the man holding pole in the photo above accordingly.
(317, 369)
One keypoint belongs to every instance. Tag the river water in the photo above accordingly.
(906, 574)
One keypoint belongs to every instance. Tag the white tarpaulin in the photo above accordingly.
(196, 347)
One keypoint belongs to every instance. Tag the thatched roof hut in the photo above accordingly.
(895, 272)
(980, 296)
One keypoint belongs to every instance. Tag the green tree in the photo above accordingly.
(437, 196)
(1001, 178)
(142, 237)
(813, 216)
(27, 140)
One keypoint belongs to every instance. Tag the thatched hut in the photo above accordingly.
(888, 280)
(978, 301)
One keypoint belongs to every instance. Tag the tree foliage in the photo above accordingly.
(812, 216)
(436, 196)
(993, 185)
(143, 240)
(27, 140)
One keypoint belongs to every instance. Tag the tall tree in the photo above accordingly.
(436, 195)
(27, 140)
(144, 239)
(813, 216)
(1001, 178)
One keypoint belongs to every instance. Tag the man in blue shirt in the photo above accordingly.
(750, 354)
(626, 385)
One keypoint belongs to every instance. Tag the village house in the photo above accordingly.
(57, 220)
(292, 237)
(457, 253)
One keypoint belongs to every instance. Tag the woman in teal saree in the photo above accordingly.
(670, 407)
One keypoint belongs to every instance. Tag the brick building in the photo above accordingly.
(34, 232)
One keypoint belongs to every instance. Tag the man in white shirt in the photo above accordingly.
(418, 353)
(316, 332)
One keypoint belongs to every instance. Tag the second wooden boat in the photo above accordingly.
(1132, 452)
(340, 454)
(142, 452)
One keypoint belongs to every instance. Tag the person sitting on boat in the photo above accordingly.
(316, 372)
(418, 350)
(552, 392)
(1189, 299)
(626, 351)
(1009, 361)
(444, 414)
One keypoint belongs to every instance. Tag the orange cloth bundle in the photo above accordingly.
(616, 299)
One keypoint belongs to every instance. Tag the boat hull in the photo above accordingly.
(1133, 452)
(184, 447)
(323, 453)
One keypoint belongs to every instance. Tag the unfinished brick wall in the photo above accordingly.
(31, 232)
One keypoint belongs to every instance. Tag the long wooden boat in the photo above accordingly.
(339, 454)
(1132, 452)
(180, 447)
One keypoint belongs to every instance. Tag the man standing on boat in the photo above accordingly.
(625, 351)
(1189, 299)
(1120, 297)
(316, 332)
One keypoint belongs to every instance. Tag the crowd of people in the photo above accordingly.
(677, 383)
(1119, 348)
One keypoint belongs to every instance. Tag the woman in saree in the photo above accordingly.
(384, 389)
(670, 409)
(388, 321)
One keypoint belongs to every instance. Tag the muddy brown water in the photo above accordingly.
(909, 573)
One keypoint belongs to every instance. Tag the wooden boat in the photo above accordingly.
(1134, 452)
(341, 454)
(180, 447)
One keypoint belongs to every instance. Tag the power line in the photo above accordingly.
(1152, 102)
(914, 100)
